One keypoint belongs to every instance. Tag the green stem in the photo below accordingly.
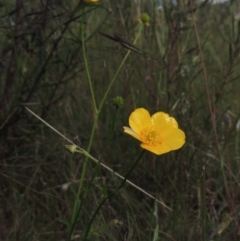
(108, 89)
(113, 194)
(86, 65)
(118, 70)
(76, 203)
(114, 119)
(75, 212)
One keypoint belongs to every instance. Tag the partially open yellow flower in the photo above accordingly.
(158, 133)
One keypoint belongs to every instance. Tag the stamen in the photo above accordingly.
(151, 136)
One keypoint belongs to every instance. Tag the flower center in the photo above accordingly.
(151, 136)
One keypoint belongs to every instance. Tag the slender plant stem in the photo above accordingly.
(76, 203)
(119, 69)
(108, 89)
(113, 120)
(86, 65)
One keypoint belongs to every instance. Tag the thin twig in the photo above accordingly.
(97, 161)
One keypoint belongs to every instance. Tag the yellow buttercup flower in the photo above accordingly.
(158, 133)
(91, 1)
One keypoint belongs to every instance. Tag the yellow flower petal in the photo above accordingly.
(139, 119)
(174, 139)
(163, 121)
(156, 149)
(131, 132)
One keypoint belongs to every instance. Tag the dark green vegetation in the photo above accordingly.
(43, 68)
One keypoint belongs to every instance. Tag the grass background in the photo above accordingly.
(42, 67)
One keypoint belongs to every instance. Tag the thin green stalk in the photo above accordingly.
(86, 65)
(76, 203)
(114, 119)
(108, 89)
(97, 116)
(75, 212)
(98, 113)
(113, 194)
(118, 70)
